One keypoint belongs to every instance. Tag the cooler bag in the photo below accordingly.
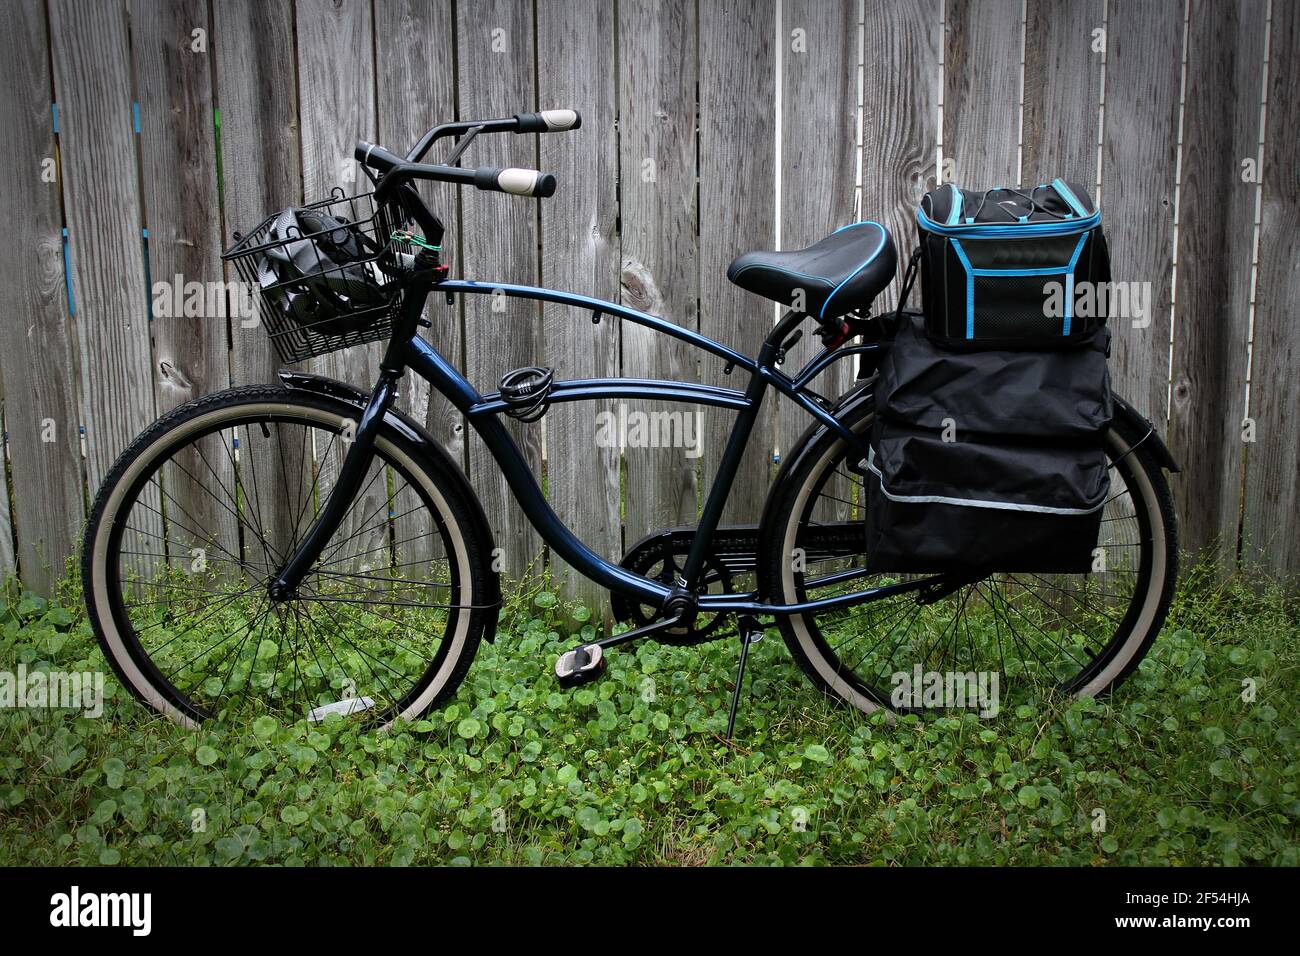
(999, 269)
(987, 461)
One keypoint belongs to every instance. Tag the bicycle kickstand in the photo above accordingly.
(750, 633)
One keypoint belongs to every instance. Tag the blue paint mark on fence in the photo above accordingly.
(67, 272)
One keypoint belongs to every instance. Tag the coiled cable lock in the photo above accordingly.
(525, 392)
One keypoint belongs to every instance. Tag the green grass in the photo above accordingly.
(517, 771)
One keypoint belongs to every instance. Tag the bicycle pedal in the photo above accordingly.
(581, 665)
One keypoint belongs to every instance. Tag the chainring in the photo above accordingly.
(662, 558)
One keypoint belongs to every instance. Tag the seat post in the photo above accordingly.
(781, 331)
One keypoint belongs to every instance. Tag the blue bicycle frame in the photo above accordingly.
(407, 350)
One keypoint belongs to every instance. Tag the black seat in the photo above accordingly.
(839, 274)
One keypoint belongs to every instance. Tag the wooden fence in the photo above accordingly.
(142, 133)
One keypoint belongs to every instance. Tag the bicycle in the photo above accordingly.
(341, 561)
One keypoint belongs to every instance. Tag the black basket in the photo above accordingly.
(375, 231)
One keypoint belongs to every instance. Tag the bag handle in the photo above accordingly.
(909, 277)
(1034, 204)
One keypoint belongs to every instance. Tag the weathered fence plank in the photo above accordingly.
(1212, 292)
(737, 214)
(261, 159)
(657, 213)
(901, 54)
(1062, 86)
(981, 96)
(1271, 527)
(1139, 172)
(37, 360)
(900, 66)
(92, 83)
(580, 252)
(499, 242)
(261, 173)
(177, 149)
(336, 65)
(819, 132)
(414, 46)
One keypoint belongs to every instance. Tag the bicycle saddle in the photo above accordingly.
(839, 274)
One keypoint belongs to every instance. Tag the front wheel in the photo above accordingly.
(984, 644)
(201, 511)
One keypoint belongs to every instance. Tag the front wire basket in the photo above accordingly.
(377, 233)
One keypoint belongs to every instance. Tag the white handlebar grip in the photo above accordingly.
(556, 120)
(521, 182)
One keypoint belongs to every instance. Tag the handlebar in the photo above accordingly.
(394, 170)
(396, 173)
(518, 182)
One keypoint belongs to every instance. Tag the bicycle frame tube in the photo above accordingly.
(763, 367)
(483, 413)
(408, 350)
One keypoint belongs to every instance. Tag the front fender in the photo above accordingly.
(433, 457)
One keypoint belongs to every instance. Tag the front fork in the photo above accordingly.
(356, 463)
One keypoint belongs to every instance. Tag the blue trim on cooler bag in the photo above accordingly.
(970, 288)
(1069, 284)
(1064, 191)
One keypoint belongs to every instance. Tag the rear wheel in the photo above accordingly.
(1023, 635)
(200, 512)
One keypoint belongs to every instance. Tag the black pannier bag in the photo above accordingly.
(999, 269)
(987, 461)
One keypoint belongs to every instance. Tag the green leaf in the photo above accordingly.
(114, 772)
(1223, 770)
(817, 752)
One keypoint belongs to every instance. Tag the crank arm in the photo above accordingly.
(636, 633)
(586, 662)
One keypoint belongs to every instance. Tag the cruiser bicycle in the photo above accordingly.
(304, 547)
